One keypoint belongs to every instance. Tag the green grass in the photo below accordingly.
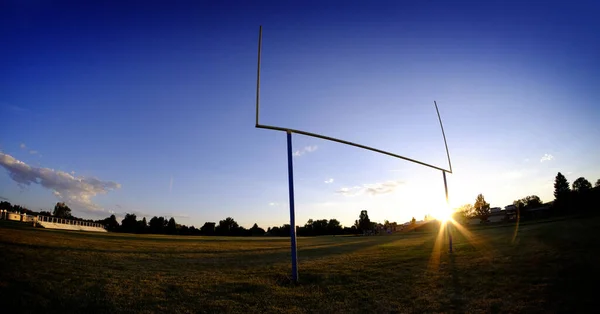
(547, 267)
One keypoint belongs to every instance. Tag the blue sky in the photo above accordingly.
(148, 107)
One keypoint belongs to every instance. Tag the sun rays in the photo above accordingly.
(447, 227)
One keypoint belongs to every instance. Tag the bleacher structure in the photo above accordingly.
(50, 222)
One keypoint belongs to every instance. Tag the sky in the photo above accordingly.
(149, 107)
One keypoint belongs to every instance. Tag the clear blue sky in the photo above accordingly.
(148, 107)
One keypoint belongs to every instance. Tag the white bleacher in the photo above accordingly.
(67, 224)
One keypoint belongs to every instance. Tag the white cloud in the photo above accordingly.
(23, 146)
(546, 157)
(273, 204)
(33, 152)
(77, 192)
(371, 189)
(306, 149)
(329, 181)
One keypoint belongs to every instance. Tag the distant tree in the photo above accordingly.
(581, 185)
(5, 205)
(334, 227)
(561, 187)
(597, 184)
(208, 228)
(528, 202)
(364, 223)
(413, 222)
(157, 225)
(172, 226)
(227, 226)
(129, 223)
(463, 213)
(19, 209)
(45, 213)
(61, 210)
(482, 208)
(111, 223)
(142, 226)
(256, 231)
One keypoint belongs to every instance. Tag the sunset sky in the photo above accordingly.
(148, 107)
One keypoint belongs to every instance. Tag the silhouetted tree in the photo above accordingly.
(208, 228)
(364, 223)
(581, 185)
(256, 231)
(172, 226)
(5, 205)
(45, 213)
(228, 226)
(413, 221)
(110, 223)
(334, 227)
(561, 187)
(142, 226)
(597, 184)
(482, 208)
(129, 223)
(61, 210)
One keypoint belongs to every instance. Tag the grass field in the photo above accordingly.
(546, 267)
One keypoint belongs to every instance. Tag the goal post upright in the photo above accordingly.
(289, 132)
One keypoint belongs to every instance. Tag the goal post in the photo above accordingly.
(290, 131)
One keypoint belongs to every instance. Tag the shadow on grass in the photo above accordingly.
(457, 298)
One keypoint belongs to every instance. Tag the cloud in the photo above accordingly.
(23, 146)
(273, 204)
(546, 157)
(371, 189)
(329, 181)
(33, 152)
(306, 149)
(77, 192)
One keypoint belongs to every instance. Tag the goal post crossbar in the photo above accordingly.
(329, 138)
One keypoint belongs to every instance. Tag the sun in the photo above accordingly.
(443, 213)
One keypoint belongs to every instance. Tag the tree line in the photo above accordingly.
(225, 227)
(578, 198)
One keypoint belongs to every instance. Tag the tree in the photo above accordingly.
(581, 185)
(257, 231)
(528, 202)
(5, 205)
(561, 187)
(482, 208)
(142, 226)
(172, 226)
(413, 221)
(597, 183)
(129, 223)
(158, 225)
(334, 227)
(364, 223)
(208, 228)
(110, 223)
(464, 212)
(228, 226)
(61, 210)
